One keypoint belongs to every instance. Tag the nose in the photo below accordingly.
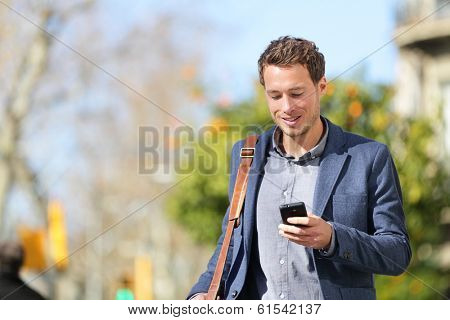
(287, 105)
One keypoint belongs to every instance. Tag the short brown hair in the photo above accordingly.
(287, 51)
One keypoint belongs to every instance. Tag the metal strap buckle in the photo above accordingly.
(247, 152)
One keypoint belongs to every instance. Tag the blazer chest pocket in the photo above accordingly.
(350, 210)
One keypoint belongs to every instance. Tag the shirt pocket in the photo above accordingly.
(350, 210)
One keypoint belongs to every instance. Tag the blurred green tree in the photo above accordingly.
(200, 202)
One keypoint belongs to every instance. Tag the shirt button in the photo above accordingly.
(281, 296)
(282, 261)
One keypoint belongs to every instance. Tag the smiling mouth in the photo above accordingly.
(290, 121)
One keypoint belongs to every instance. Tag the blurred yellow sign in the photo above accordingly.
(143, 278)
(57, 235)
(33, 241)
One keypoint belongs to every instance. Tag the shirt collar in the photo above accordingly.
(315, 152)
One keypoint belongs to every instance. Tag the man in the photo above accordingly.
(355, 226)
(11, 286)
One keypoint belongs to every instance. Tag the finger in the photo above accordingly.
(304, 231)
(301, 240)
(299, 220)
(310, 220)
(200, 296)
(296, 236)
(292, 229)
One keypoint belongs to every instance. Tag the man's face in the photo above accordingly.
(293, 98)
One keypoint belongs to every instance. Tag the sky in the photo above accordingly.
(345, 31)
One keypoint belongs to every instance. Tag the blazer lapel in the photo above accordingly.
(331, 164)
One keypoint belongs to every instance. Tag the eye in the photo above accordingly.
(297, 95)
(275, 97)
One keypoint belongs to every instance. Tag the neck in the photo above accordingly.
(301, 144)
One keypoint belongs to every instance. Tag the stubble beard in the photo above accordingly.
(294, 133)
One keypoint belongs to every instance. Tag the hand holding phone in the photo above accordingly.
(296, 209)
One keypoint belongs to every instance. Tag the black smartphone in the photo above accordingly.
(296, 209)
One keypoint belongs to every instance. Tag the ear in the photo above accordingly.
(322, 85)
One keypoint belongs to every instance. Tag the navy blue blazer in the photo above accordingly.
(358, 190)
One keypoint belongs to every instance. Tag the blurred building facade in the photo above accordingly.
(423, 74)
(423, 69)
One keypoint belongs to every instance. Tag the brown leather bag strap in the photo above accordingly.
(240, 188)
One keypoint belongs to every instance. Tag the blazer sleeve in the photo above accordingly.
(204, 281)
(386, 250)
